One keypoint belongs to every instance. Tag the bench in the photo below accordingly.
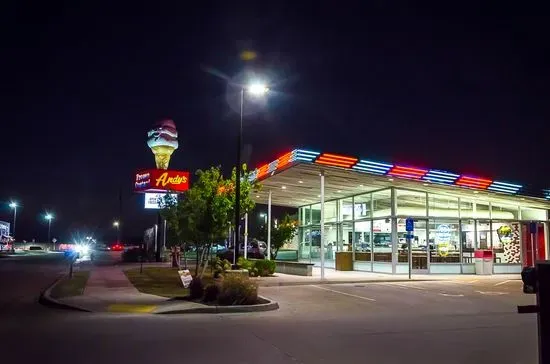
(294, 268)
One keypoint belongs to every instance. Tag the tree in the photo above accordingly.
(284, 232)
(204, 213)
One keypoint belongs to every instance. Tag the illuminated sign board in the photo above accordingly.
(152, 199)
(4, 228)
(160, 180)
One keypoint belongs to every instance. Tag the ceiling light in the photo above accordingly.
(257, 196)
(425, 184)
(283, 187)
(390, 179)
(476, 191)
(360, 185)
(318, 195)
(339, 191)
(300, 181)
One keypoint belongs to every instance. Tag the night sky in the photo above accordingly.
(82, 83)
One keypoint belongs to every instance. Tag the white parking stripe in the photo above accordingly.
(504, 282)
(345, 294)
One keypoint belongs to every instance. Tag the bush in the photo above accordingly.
(196, 288)
(237, 290)
(211, 292)
(221, 266)
(265, 267)
(245, 263)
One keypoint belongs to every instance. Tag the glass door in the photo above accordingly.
(419, 245)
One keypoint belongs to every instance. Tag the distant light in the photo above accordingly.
(426, 184)
(339, 191)
(48, 216)
(13, 205)
(258, 89)
(360, 185)
(257, 196)
(300, 181)
(390, 179)
(283, 187)
(476, 191)
(116, 223)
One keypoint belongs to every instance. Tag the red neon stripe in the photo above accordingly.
(410, 169)
(472, 185)
(262, 170)
(406, 172)
(476, 180)
(284, 160)
(336, 164)
(324, 158)
(341, 157)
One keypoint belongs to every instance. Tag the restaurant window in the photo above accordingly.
(305, 215)
(362, 241)
(316, 213)
(381, 202)
(483, 235)
(533, 214)
(362, 206)
(411, 203)
(442, 206)
(474, 209)
(444, 243)
(381, 240)
(346, 209)
(506, 242)
(331, 211)
(504, 212)
(481, 210)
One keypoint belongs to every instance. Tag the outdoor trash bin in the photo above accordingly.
(484, 262)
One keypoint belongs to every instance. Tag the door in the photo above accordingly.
(533, 243)
(419, 245)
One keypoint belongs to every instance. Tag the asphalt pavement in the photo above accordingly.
(466, 321)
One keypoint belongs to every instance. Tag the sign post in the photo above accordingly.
(533, 231)
(409, 227)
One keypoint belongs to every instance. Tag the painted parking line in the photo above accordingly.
(129, 308)
(507, 281)
(345, 294)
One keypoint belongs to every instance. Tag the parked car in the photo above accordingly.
(255, 248)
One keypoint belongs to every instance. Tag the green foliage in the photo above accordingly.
(237, 290)
(196, 288)
(211, 292)
(284, 232)
(261, 268)
(221, 266)
(265, 267)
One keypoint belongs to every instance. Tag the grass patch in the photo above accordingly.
(69, 287)
(160, 281)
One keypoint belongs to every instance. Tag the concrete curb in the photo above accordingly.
(282, 284)
(262, 307)
(46, 299)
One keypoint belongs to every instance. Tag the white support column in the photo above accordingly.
(322, 250)
(245, 235)
(269, 226)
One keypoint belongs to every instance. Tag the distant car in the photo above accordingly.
(255, 248)
(116, 247)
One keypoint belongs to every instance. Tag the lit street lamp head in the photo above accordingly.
(258, 89)
(13, 205)
(116, 223)
(48, 216)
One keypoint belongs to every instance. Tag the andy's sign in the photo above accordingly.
(160, 180)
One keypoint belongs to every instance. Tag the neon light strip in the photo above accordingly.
(262, 170)
(502, 190)
(476, 180)
(272, 166)
(439, 180)
(413, 176)
(340, 157)
(336, 164)
(376, 171)
(407, 172)
(372, 168)
(502, 184)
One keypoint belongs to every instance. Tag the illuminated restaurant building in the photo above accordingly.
(360, 206)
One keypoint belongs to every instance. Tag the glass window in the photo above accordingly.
(345, 237)
(506, 242)
(468, 240)
(363, 246)
(381, 239)
(504, 212)
(442, 206)
(411, 203)
(346, 209)
(483, 235)
(381, 202)
(533, 214)
(330, 211)
(419, 244)
(305, 215)
(444, 241)
(362, 206)
(331, 240)
(316, 213)
(315, 239)
(475, 209)
(305, 243)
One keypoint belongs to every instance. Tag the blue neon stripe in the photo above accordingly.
(373, 167)
(438, 173)
(439, 180)
(501, 190)
(375, 163)
(502, 184)
(377, 171)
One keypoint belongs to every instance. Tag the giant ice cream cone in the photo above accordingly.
(163, 140)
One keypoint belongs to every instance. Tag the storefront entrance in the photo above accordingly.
(533, 243)
(419, 246)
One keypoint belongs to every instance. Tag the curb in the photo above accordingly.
(282, 284)
(262, 307)
(46, 299)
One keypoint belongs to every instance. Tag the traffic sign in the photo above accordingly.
(409, 224)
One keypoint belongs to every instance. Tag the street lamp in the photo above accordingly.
(49, 217)
(13, 205)
(256, 89)
(117, 225)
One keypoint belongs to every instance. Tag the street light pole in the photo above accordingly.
(49, 229)
(13, 205)
(238, 183)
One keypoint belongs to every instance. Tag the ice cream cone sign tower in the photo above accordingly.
(162, 139)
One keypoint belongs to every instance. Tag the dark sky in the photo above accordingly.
(460, 89)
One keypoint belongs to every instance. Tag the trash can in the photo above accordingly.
(484, 262)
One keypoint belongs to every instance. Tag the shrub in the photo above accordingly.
(237, 290)
(196, 288)
(221, 266)
(265, 267)
(211, 292)
(245, 263)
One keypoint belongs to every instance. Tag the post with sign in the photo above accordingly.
(409, 227)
